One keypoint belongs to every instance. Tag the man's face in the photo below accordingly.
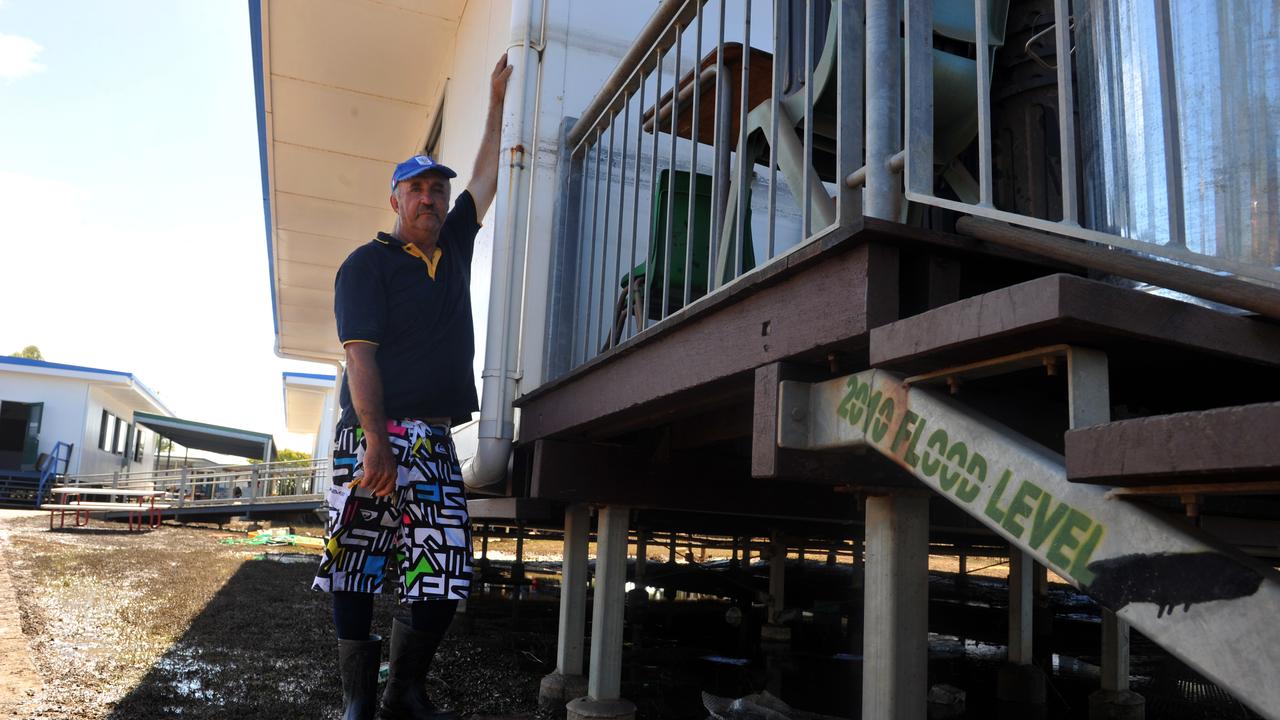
(422, 202)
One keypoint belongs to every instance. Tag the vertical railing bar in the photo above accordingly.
(582, 250)
(717, 172)
(1172, 132)
(774, 96)
(918, 147)
(1066, 112)
(984, 101)
(806, 194)
(851, 54)
(653, 189)
(604, 234)
(693, 158)
(744, 179)
(671, 177)
(582, 226)
(882, 193)
(622, 217)
(635, 207)
(591, 266)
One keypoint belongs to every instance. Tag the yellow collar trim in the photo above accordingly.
(432, 262)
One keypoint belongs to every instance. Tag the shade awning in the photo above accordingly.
(210, 438)
(306, 396)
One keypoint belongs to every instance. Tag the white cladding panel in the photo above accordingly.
(94, 460)
(64, 408)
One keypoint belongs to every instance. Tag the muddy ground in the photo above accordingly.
(103, 624)
(173, 623)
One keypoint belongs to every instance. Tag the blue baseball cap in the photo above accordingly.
(417, 165)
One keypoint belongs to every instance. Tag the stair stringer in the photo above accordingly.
(1210, 605)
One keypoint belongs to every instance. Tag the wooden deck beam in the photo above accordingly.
(822, 300)
(1194, 449)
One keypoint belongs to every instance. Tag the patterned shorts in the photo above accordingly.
(422, 526)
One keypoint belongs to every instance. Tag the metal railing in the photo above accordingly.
(55, 467)
(669, 200)
(687, 172)
(225, 485)
(1103, 92)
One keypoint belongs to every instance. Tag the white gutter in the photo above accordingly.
(502, 344)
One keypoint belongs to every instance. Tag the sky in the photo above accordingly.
(131, 223)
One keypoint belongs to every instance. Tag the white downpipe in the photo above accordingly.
(502, 344)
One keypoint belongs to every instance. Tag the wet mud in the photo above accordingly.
(174, 624)
(192, 622)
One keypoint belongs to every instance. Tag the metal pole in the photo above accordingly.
(919, 146)
(851, 55)
(1172, 134)
(653, 189)
(622, 216)
(604, 234)
(745, 164)
(721, 155)
(1066, 112)
(694, 142)
(775, 96)
(883, 193)
(984, 101)
(806, 194)
(671, 179)
(635, 210)
(591, 264)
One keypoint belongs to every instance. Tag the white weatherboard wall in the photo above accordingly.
(481, 39)
(93, 460)
(64, 408)
(73, 414)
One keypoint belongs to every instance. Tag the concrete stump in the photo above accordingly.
(584, 708)
(556, 689)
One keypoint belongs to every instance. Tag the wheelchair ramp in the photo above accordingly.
(1208, 604)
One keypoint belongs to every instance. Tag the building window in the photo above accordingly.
(121, 438)
(138, 448)
(105, 439)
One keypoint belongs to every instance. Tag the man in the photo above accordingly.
(403, 307)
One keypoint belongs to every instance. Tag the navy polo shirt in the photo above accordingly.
(385, 294)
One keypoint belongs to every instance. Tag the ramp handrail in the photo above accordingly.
(246, 484)
(60, 455)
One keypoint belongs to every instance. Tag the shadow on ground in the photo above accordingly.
(263, 647)
(259, 649)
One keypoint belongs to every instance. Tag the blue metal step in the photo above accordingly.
(19, 487)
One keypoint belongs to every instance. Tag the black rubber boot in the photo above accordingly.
(406, 697)
(358, 666)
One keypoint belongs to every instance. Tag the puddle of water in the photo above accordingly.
(287, 558)
(188, 673)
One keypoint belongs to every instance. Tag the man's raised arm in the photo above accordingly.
(484, 178)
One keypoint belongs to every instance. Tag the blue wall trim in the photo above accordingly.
(310, 376)
(60, 366)
(255, 40)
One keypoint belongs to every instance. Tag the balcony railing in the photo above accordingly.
(733, 133)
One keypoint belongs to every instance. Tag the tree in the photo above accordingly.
(285, 455)
(31, 352)
(288, 479)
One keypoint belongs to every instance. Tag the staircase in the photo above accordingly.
(1205, 602)
(26, 488)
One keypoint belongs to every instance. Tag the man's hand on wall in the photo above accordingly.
(498, 81)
